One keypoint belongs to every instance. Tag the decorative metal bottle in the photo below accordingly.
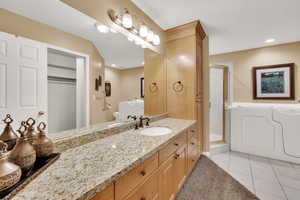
(10, 173)
(31, 134)
(43, 145)
(8, 135)
(23, 154)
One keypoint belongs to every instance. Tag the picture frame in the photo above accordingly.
(142, 87)
(274, 82)
(107, 89)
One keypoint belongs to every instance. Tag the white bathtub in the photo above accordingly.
(270, 130)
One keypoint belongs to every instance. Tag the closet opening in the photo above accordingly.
(67, 90)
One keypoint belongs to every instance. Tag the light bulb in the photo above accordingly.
(150, 36)
(127, 20)
(137, 42)
(102, 28)
(143, 31)
(156, 40)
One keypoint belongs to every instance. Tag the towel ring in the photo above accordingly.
(178, 86)
(153, 87)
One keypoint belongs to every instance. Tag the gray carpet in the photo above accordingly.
(210, 182)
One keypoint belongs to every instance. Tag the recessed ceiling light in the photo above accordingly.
(102, 28)
(270, 40)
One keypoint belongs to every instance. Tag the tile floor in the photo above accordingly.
(268, 179)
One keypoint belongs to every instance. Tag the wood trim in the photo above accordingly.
(292, 81)
(185, 30)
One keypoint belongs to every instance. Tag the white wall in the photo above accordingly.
(216, 100)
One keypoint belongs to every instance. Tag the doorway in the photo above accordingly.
(67, 92)
(218, 102)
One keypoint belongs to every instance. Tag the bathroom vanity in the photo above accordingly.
(126, 165)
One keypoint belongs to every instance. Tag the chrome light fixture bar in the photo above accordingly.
(139, 34)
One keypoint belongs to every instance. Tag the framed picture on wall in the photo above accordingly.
(142, 87)
(108, 89)
(274, 82)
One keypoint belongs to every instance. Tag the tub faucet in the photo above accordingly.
(147, 119)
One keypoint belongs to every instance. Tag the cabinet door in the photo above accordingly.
(106, 194)
(166, 180)
(180, 168)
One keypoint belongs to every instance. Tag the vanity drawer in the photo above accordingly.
(147, 191)
(106, 194)
(192, 132)
(125, 184)
(177, 143)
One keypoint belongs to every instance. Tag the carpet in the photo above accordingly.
(210, 182)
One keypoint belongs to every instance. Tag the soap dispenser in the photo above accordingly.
(10, 173)
(31, 134)
(8, 135)
(43, 145)
(23, 154)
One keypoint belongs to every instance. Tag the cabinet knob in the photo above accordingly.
(40, 113)
(176, 156)
(192, 143)
(143, 198)
(176, 144)
(143, 173)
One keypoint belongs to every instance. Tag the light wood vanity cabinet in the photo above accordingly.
(162, 175)
(135, 177)
(106, 194)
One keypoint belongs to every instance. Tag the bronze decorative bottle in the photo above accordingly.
(10, 173)
(23, 154)
(31, 134)
(8, 135)
(43, 145)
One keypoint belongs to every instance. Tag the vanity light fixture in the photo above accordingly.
(150, 36)
(127, 21)
(131, 39)
(113, 65)
(102, 28)
(143, 30)
(140, 33)
(113, 30)
(156, 40)
(270, 40)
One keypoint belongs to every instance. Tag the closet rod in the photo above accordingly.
(55, 78)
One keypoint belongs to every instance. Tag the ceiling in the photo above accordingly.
(115, 48)
(232, 25)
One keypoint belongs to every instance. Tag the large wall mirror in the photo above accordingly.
(41, 77)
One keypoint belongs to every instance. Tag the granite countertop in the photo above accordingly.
(84, 170)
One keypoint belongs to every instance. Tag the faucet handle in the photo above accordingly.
(132, 117)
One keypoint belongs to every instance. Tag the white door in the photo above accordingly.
(23, 78)
(216, 100)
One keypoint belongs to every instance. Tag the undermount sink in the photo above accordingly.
(156, 131)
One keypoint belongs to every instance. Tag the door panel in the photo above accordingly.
(166, 180)
(3, 85)
(23, 73)
(180, 168)
(28, 87)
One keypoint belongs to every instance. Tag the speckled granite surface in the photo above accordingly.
(76, 137)
(81, 172)
(210, 182)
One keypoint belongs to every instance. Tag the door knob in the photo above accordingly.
(40, 113)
